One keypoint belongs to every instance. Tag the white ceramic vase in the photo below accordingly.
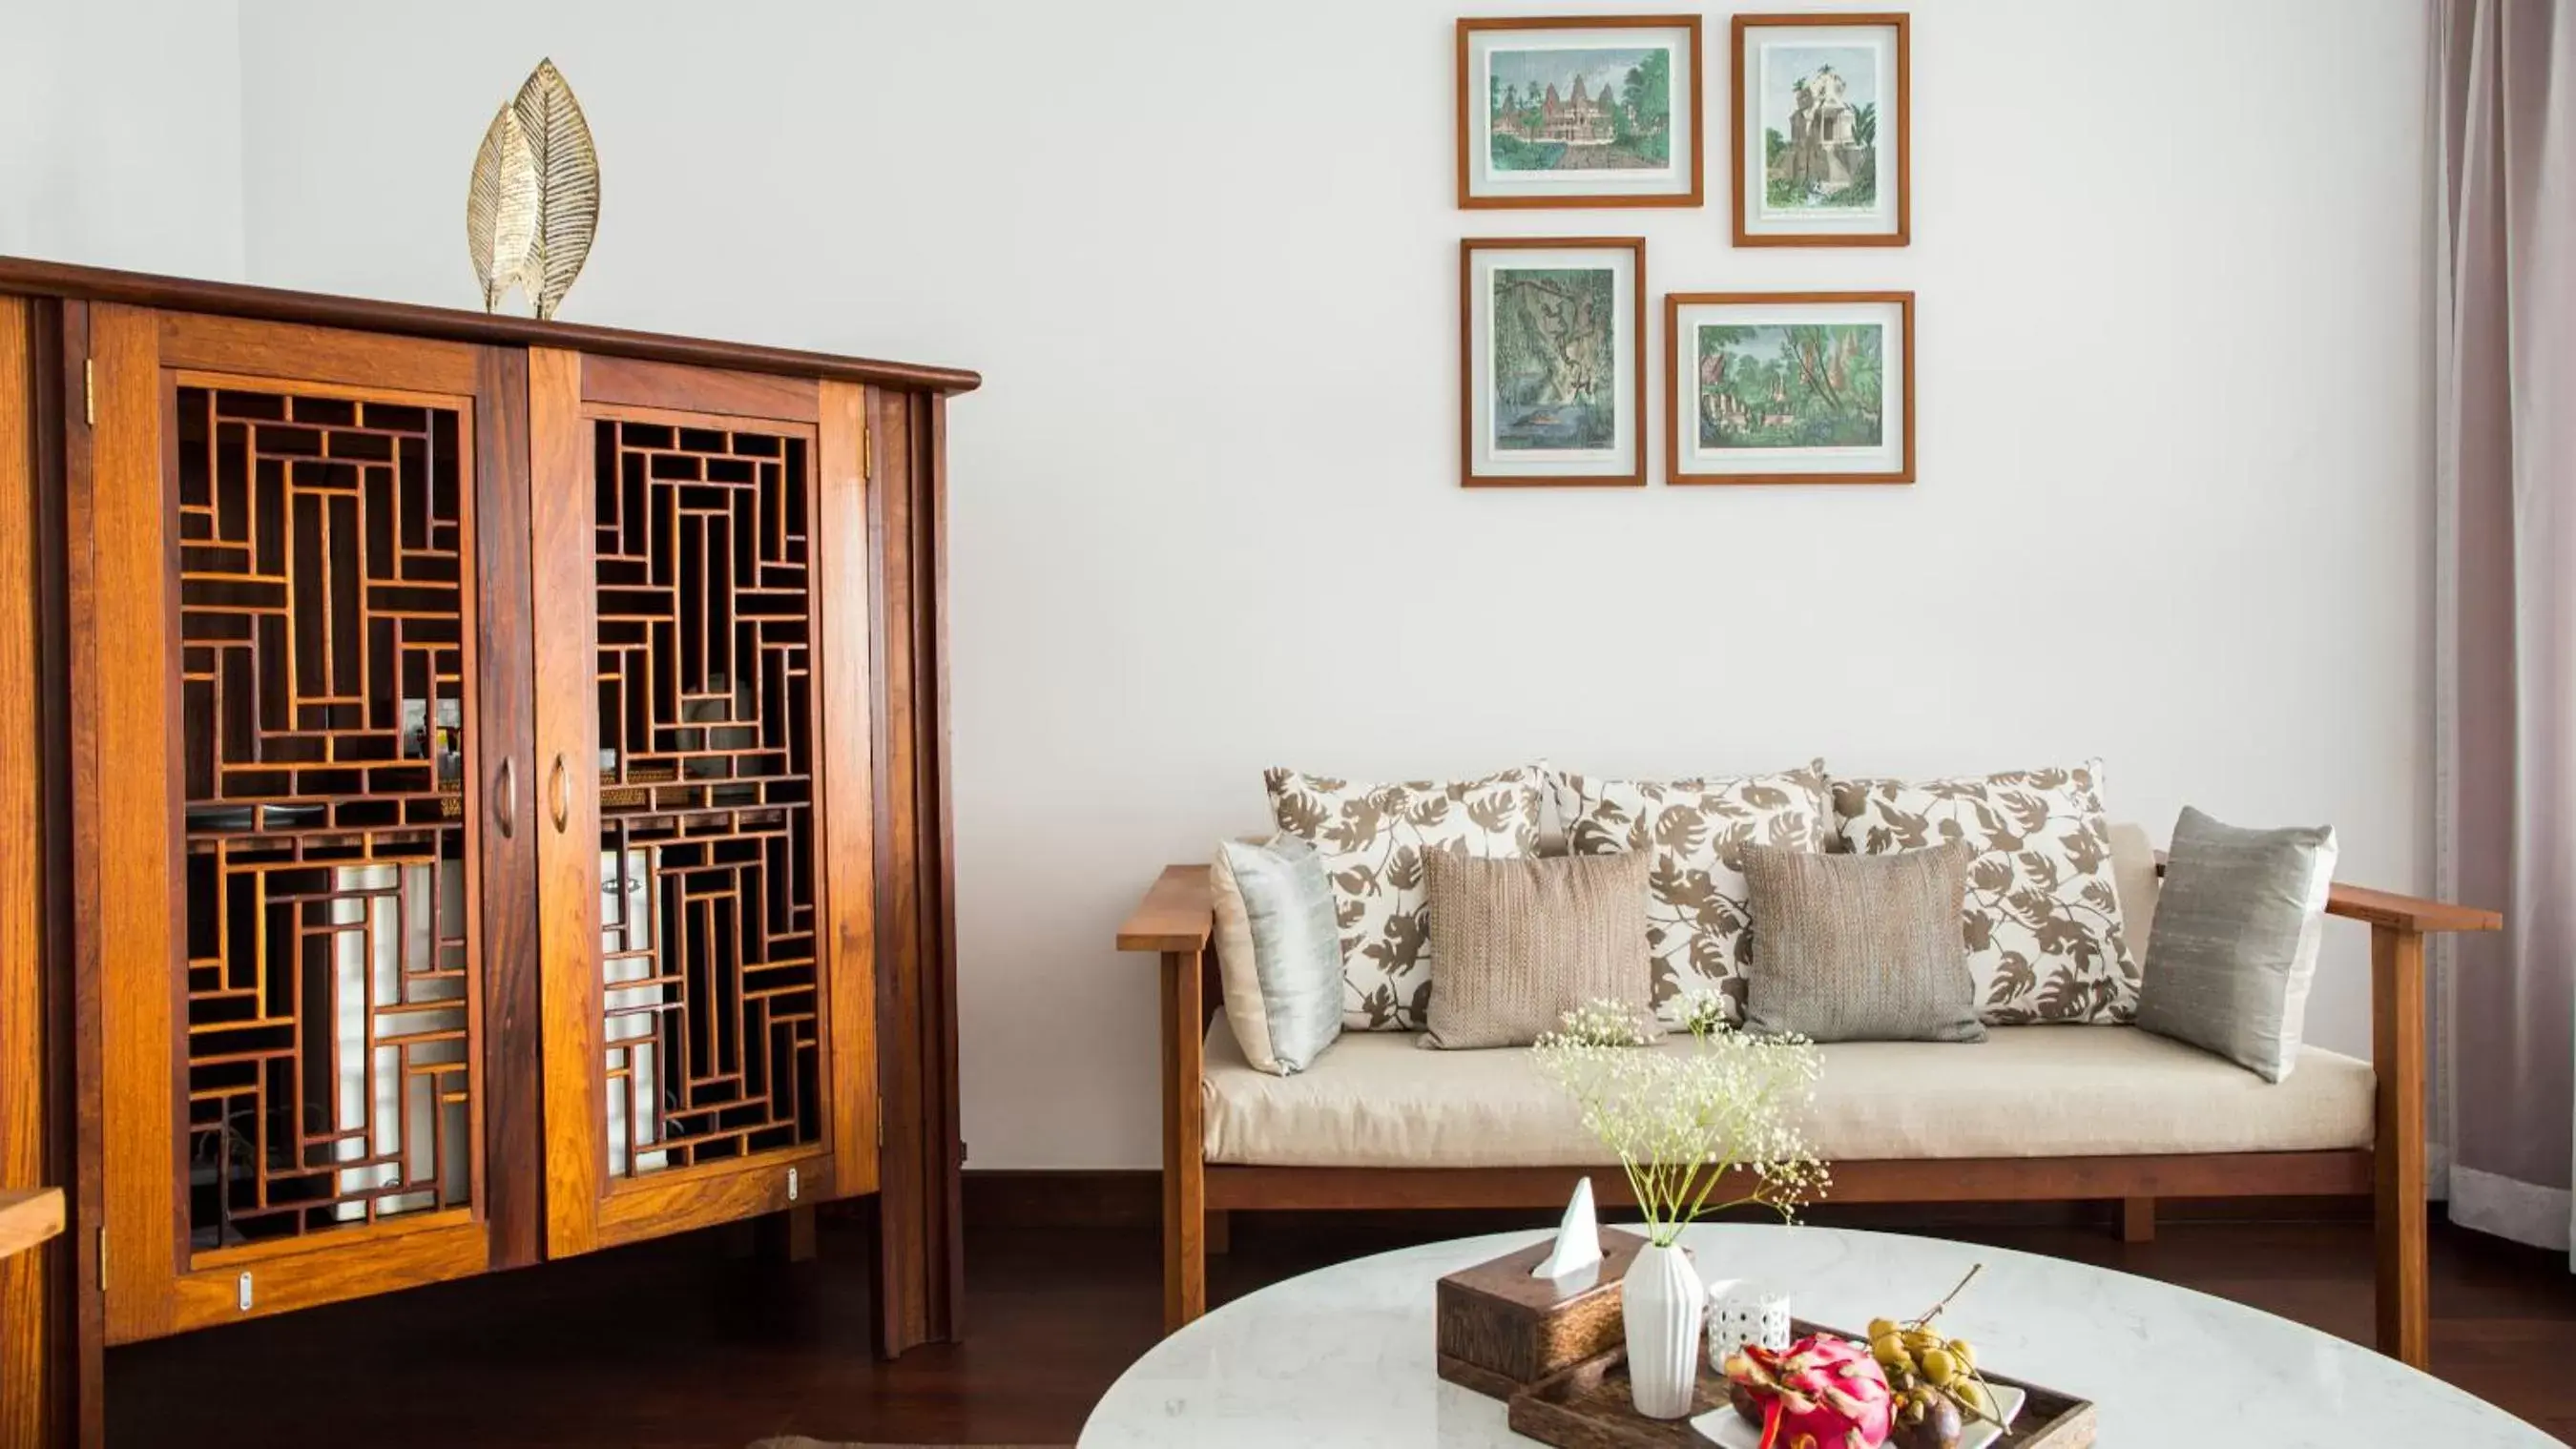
(1661, 1301)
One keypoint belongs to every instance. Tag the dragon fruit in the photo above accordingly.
(1819, 1393)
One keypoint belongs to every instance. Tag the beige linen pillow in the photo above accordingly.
(1516, 944)
(1860, 947)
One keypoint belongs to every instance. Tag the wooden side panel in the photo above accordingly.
(514, 1152)
(29, 1331)
(70, 507)
(920, 1248)
(137, 738)
(843, 657)
(566, 800)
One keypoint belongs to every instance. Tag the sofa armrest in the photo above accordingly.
(1177, 914)
(1175, 920)
(2407, 913)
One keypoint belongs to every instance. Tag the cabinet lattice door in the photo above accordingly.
(330, 995)
(290, 789)
(707, 962)
(710, 1007)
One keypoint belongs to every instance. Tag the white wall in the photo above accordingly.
(120, 134)
(2172, 357)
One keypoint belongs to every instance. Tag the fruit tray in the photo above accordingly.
(1587, 1407)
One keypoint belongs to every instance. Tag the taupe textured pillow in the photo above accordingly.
(2235, 943)
(1516, 944)
(1860, 947)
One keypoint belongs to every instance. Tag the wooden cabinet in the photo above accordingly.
(487, 786)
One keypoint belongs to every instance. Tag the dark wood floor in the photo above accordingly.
(675, 1343)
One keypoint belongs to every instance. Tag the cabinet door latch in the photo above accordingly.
(791, 1184)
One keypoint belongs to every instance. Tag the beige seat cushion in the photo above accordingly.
(1372, 1100)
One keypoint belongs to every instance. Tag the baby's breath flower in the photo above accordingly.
(1683, 1117)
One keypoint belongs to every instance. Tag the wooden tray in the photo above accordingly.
(1587, 1407)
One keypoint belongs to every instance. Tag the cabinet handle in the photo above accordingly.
(562, 796)
(509, 812)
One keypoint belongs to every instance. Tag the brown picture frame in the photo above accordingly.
(1468, 29)
(1681, 398)
(1741, 96)
(1635, 353)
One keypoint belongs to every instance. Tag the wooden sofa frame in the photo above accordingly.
(1176, 920)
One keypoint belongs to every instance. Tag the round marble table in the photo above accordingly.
(1342, 1356)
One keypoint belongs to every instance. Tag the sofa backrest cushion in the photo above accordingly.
(2043, 917)
(1696, 919)
(2133, 872)
(1373, 838)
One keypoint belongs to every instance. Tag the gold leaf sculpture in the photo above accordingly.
(501, 210)
(533, 205)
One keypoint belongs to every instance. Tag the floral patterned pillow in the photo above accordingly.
(1372, 839)
(1696, 924)
(2042, 914)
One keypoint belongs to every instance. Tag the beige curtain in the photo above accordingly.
(2505, 638)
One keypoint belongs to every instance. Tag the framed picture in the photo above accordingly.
(1821, 143)
(1552, 360)
(1581, 111)
(1789, 387)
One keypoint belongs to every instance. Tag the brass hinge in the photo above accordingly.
(102, 1260)
(880, 1124)
(867, 456)
(89, 392)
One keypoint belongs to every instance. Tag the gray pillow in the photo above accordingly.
(2234, 946)
(1516, 944)
(1278, 950)
(1859, 947)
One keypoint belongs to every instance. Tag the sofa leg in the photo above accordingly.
(1220, 1231)
(2137, 1220)
(2398, 1211)
(1184, 1166)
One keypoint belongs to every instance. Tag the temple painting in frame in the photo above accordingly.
(1820, 141)
(1595, 111)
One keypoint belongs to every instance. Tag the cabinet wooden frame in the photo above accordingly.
(587, 1206)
